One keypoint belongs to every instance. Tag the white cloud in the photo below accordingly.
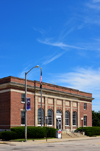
(95, 1)
(65, 32)
(59, 44)
(87, 80)
(53, 58)
(83, 79)
(26, 69)
(93, 6)
(42, 31)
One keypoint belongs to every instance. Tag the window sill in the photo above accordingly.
(23, 102)
(22, 124)
(40, 125)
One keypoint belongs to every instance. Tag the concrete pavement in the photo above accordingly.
(30, 142)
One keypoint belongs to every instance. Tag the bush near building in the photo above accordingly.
(32, 132)
(8, 135)
(90, 131)
(0, 135)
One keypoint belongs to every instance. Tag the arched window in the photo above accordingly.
(58, 111)
(66, 117)
(39, 116)
(50, 117)
(74, 118)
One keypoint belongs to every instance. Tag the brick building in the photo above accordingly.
(60, 104)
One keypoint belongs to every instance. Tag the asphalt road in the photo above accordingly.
(73, 145)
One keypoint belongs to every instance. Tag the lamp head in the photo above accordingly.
(37, 66)
(82, 118)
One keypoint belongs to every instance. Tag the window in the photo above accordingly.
(39, 116)
(22, 117)
(74, 118)
(85, 120)
(50, 117)
(85, 106)
(66, 118)
(58, 111)
(22, 97)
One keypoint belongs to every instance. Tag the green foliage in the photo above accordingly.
(90, 131)
(20, 131)
(8, 135)
(0, 135)
(34, 132)
(51, 132)
(95, 118)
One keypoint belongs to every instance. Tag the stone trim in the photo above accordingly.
(43, 95)
(33, 88)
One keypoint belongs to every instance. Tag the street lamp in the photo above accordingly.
(26, 101)
(82, 123)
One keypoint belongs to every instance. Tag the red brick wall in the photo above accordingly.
(5, 110)
(16, 107)
(87, 112)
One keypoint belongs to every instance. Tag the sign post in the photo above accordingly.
(46, 121)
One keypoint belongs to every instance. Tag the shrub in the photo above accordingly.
(51, 132)
(8, 135)
(34, 132)
(20, 131)
(0, 135)
(90, 131)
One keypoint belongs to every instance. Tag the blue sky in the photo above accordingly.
(62, 37)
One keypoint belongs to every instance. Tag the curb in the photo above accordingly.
(50, 141)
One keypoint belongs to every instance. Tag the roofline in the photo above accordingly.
(45, 84)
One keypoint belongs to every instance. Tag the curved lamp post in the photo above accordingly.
(26, 101)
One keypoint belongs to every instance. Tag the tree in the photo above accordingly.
(95, 118)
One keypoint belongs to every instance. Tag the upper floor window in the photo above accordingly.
(85, 106)
(85, 120)
(22, 97)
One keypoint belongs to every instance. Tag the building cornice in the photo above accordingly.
(45, 90)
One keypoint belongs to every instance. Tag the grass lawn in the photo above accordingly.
(23, 139)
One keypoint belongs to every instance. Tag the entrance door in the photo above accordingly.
(58, 123)
(58, 120)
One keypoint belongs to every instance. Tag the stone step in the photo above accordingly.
(71, 135)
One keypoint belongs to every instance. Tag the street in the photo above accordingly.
(92, 144)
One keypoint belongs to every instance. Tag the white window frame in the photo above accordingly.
(21, 117)
(85, 120)
(75, 118)
(39, 116)
(85, 106)
(50, 118)
(22, 97)
(67, 118)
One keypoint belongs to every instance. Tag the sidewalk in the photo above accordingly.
(33, 142)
